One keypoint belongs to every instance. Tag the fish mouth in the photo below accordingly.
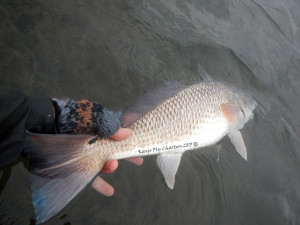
(251, 116)
(250, 108)
(253, 105)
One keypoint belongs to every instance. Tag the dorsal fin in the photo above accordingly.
(149, 100)
(204, 75)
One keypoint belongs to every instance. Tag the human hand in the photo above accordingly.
(101, 185)
(83, 117)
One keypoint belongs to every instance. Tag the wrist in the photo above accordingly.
(41, 115)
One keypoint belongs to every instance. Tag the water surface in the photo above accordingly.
(112, 51)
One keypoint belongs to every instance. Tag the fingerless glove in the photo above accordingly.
(83, 116)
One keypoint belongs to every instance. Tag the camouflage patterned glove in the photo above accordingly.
(83, 116)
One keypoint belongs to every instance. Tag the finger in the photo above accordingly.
(121, 134)
(110, 166)
(103, 187)
(136, 160)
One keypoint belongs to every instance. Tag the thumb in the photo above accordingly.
(122, 133)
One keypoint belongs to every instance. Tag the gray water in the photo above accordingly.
(112, 51)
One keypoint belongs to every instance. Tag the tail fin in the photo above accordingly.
(60, 170)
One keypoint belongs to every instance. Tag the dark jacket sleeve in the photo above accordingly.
(19, 112)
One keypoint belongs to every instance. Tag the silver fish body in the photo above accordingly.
(167, 121)
(191, 119)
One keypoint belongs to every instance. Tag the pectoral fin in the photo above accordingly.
(168, 164)
(237, 140)
(232, 113)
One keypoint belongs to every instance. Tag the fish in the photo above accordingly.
(166, 121)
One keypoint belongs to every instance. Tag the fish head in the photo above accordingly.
(247, 104)
(239, 108)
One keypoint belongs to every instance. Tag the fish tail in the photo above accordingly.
(59, 171)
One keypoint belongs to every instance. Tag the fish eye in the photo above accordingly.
(242, 111)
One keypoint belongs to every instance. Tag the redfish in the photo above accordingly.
(167, 121)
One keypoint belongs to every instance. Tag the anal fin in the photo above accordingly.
(168, 164)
